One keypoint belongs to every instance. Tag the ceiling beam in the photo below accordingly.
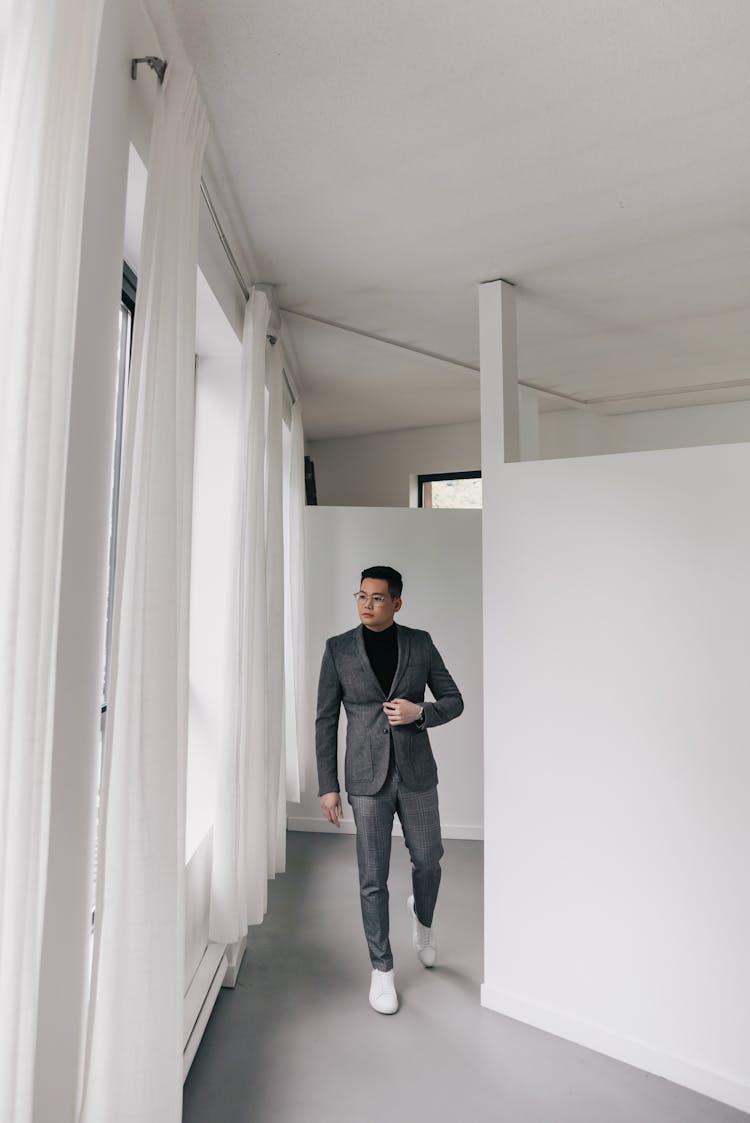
(567, 398)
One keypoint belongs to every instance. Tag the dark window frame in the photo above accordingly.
(129, 288)
(432, 477)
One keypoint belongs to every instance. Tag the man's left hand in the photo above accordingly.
(400, 711)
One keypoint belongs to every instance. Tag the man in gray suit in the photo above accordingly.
(379, 672)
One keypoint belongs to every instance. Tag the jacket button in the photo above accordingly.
(386, 729)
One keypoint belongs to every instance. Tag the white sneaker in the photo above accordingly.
(383, 996)
(423, 939)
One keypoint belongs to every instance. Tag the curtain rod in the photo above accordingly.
(159, 66)
(272, 339)
(223, 239)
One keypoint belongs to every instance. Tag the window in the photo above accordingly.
(122, 372)
(124, 348)
(450, 489)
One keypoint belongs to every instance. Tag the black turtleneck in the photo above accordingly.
(382, 651)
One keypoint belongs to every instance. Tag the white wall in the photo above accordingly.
(617, 769)
(585, 433)
(439, 555)
(374, 471)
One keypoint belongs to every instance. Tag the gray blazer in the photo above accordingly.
(347, 677)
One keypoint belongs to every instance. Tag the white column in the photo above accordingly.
(498, 376)
(500, 443)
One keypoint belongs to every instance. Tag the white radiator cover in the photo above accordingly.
(205, 961)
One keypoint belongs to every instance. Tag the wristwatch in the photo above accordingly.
(419, 722)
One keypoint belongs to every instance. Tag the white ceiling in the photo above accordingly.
(388, 156)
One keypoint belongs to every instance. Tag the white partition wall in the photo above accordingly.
(617, 770)
(439, 555)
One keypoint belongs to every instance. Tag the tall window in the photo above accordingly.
(450, 489)
(121, 372)
(124, 348)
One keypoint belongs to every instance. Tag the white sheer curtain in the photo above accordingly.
(298, 719)
(47, 61)
(240, 841)
(134, 1062)
(275, 603)
(255, 752)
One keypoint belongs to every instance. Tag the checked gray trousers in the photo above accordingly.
(420, 820)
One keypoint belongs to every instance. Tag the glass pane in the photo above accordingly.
(456, 493)
(123, 363)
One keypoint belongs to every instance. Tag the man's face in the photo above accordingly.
(377, 614)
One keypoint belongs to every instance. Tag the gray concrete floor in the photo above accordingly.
(297, 1040)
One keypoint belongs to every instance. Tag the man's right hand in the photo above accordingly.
(330, 805)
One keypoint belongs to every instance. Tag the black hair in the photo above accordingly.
(385, 573)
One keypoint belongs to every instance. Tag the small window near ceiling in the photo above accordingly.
(450, 490)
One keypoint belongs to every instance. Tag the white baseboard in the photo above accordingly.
(200, 998)
(234, 954)
(717, 1085)
(317, 824)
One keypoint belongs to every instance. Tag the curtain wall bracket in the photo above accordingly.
(158, 65)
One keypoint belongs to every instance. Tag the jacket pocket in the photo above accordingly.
(423, 768)
(359, 763)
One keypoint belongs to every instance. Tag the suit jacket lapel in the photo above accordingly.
(359, 643)
(403, 660)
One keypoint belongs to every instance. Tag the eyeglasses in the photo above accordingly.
(376, 598)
